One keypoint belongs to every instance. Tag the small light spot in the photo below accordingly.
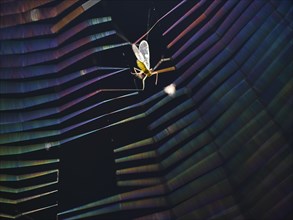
(82, 72)
(170, 90)
(48, 146)
(35, 14)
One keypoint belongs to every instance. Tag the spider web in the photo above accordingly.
(218, 148)
(209, 143)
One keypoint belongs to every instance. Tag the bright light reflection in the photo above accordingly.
(170, 90)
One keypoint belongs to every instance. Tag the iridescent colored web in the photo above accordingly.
(221, 148)
(39, 48)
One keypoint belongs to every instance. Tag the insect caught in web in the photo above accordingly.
(142, 54)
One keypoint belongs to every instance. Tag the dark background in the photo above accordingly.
(87, 167)
(242, 111)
